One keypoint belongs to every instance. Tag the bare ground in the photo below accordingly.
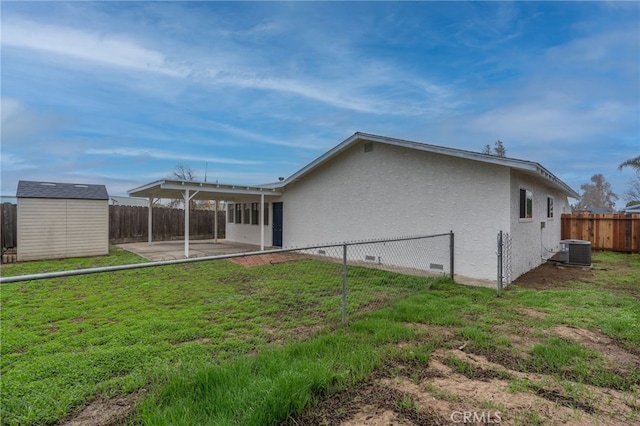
(438, 394)
(105, 412)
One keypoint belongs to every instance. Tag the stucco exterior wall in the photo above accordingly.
(535, 239)
(59, 228)
(250, 234)
(394, 191)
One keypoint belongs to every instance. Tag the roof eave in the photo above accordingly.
(514, 163)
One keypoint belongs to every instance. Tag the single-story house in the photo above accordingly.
(58, 220)
(372, 186)
(634, 209)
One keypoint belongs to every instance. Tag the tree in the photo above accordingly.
(186, 173)
(597, 195)
(498, 149)
(183, 172)
(632, 194)
(632, 162)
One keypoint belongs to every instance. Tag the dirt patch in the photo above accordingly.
(266, 259)
(460, 387)
(533, 313)
(552, 275)
(202, 340)
(618, 358)
(103, 412)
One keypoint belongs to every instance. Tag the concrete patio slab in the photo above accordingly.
(170, 250)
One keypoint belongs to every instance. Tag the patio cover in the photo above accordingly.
(191, 190)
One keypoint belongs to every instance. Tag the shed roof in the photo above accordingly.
(78, 191)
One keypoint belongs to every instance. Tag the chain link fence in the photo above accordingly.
(311, 285)
(504, 247)
(383, 263)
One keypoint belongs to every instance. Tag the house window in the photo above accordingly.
(231, 210)
(238, 213)
(549, 207)
(266, 213)
(526, 204)
(255, 213)
(246, 216)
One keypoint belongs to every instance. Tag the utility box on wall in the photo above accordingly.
(59, 220)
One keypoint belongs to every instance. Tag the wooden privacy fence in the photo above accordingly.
(615, 232)
(9, 225)
(129, 224)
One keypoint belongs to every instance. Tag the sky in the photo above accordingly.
(120, 93)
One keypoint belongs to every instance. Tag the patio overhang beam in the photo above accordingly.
(207, 191)
(189, 190)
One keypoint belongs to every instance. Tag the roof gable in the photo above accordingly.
(31, 189)
(528, 167)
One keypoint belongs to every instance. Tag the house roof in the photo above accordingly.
(527, 167)
(31, 189)
(168, 188)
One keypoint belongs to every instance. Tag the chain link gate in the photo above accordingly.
(504, 260)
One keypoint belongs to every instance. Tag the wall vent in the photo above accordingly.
(322, 252)
(368, 147)
(436, 266)
(370, 258)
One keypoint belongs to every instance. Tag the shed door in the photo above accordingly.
(277, 225)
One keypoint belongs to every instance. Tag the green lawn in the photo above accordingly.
(66, 340)
(217, 343)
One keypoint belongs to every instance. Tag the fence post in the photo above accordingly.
(499, 263)
(344, 283)
(451, 251)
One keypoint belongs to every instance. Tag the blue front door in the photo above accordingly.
(277, 225)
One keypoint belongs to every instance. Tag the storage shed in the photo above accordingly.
(59, 220)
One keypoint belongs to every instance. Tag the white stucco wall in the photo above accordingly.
(394, 191)
(250, 234)
(531, 242)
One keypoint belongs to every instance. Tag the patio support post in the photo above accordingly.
(215, 221)
(261, 222)
(187, 201)
(186, 223)
(150, 222)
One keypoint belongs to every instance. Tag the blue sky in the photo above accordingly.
(120, 93)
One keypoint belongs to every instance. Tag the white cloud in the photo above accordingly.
(11, 162)
(20, 121)
(258, 137)
(10, 107)
(164, 155)
(84, 45)
(548, 121)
